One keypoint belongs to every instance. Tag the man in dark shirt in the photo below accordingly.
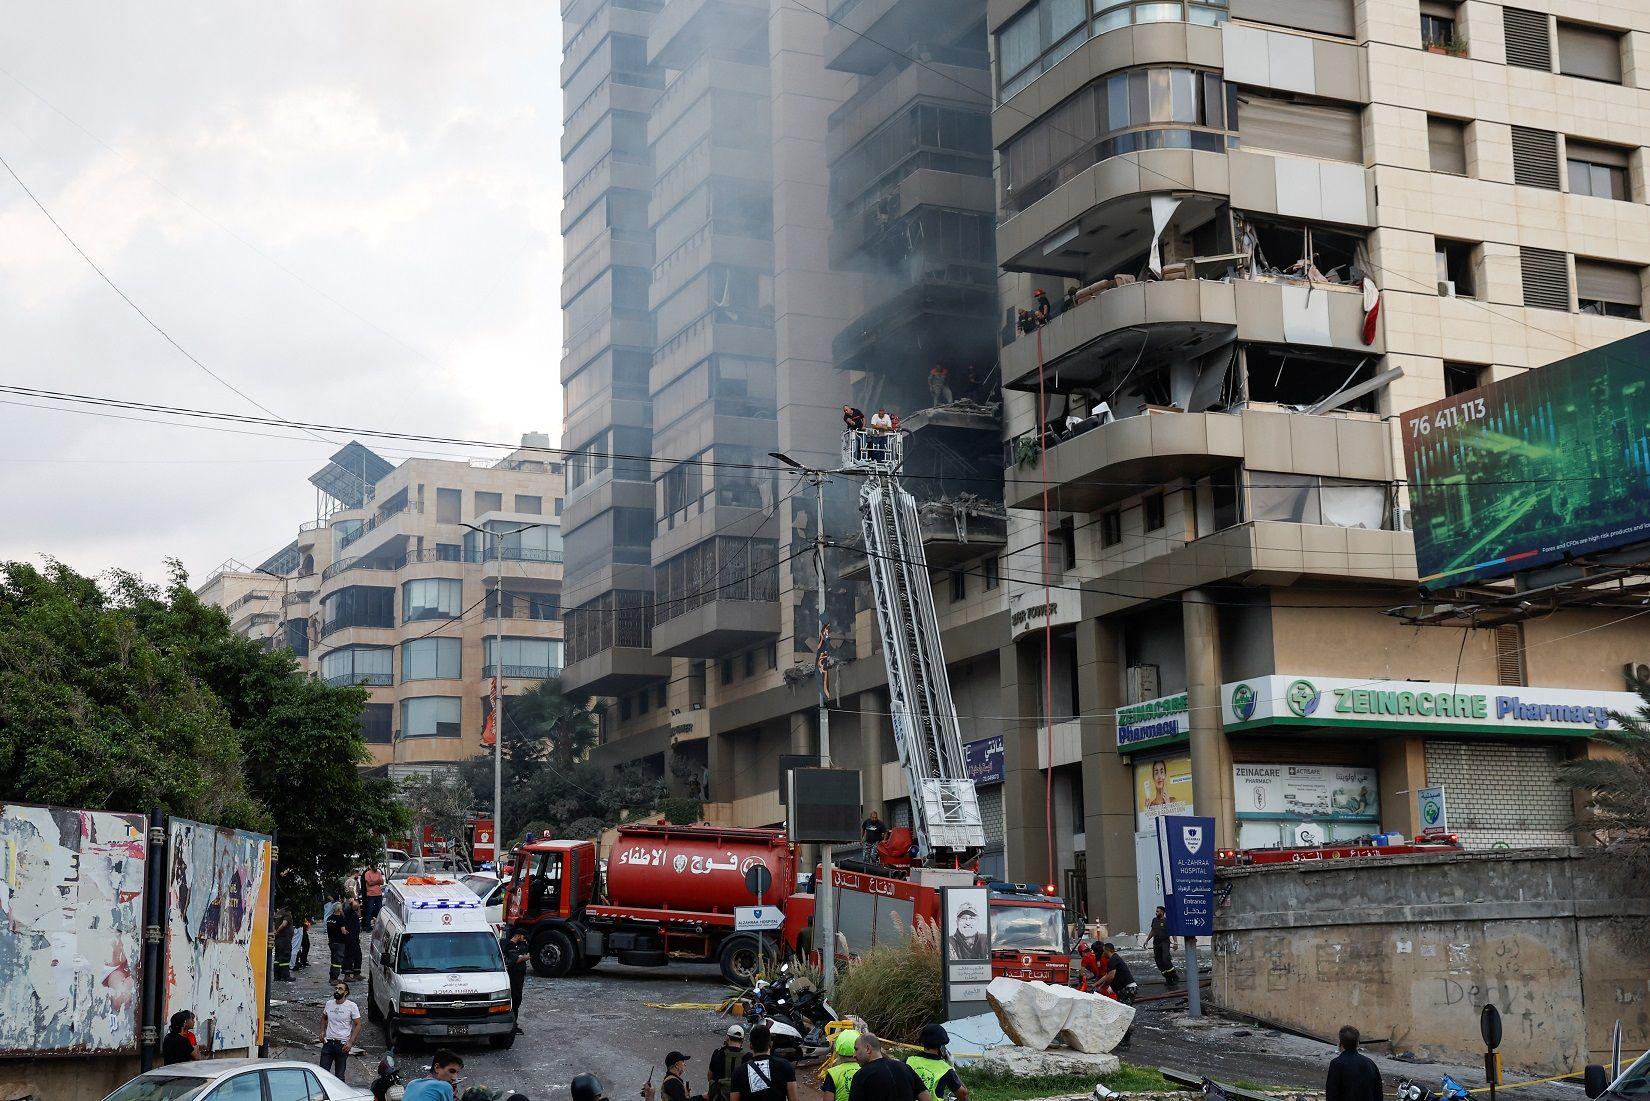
(1116, 976)
(724, 1063)
(516, 957)
(881, 1078)
(763, 1076)
(1163, 949)
(1353, 1076)
(875, 831)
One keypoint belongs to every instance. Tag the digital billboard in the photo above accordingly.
(1523, 473)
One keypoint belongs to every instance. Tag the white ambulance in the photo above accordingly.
(435, 969)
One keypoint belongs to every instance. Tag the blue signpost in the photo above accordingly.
(1186, 852)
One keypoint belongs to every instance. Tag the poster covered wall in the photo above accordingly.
(71, 909)
(217, 903)
(1163, 786)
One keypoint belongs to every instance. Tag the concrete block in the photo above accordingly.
(1096, 1024)
(1023, 1061)
(1031, 1013)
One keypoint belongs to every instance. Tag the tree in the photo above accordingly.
(1618, 785)
(129, 696)
(544, 726)
(440, 800)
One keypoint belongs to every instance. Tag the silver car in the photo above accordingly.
(239, 1080)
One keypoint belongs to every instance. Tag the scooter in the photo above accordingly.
(387, 1086)
(1415, 1091)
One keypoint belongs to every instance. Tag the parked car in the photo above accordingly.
(427, 865)
(1633, 1082)
(490, 889)
(238, 1080)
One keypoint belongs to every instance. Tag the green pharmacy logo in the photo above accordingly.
(1243, 702)
(1302, 698)
(1430, 812)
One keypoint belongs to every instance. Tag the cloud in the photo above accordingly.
(351, 213)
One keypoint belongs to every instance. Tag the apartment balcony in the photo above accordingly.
(1188, 318)
(521, 672)
(686, 28)
(608, 173)
(949, 315)
(862, 32)
(1126, 457)
(693, 83)
(613, 248)
(869, 220)
(716, 627)
(615, 671)
(950, 75)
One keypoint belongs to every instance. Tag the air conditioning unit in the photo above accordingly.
(1446, 288)
(1635, 673)
(1142, 683)
(1403, 519)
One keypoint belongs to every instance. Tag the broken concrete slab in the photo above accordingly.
(1024, 1061)
(1095, 1023)
(1031, 1013)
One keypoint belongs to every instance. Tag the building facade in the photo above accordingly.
(421, 582)
(1267, 229)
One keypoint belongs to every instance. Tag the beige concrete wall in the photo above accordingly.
(1413, 948)
(75, 1078)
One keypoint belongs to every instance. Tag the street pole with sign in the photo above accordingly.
(1186, 853)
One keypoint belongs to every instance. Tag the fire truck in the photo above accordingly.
(672, 890)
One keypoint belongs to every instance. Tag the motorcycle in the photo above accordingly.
(796, 1013)
(387, 1086)
(1415, 1091)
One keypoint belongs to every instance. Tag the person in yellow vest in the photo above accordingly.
(935, 1070)
(841, 1075)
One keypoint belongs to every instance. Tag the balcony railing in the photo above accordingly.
(412, 558)
(290, 599)
(384, 515)
(371, 680)
(523, 672)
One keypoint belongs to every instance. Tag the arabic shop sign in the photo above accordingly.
(1162, 721)
(657, 856)
(1284, 700)
(985, 760)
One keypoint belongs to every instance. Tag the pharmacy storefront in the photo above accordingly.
(1152, 736)
(1309, 754)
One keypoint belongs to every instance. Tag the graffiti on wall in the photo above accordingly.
(217, 930)
(71, 910)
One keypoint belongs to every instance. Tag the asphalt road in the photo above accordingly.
(597, 1023)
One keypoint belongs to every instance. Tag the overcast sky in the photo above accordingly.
(349, 211)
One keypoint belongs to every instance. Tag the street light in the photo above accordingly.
(498, 670)
(826, 889)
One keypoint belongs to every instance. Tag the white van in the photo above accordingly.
(436, 970)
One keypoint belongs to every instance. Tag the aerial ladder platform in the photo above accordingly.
(945, 809)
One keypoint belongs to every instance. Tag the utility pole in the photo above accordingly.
(825, 892)
(498, 675)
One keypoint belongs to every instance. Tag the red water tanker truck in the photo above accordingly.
(668, 891)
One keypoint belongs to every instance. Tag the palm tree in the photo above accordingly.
(543, 726)
(1619, 784)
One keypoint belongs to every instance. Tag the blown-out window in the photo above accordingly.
(432, 598)
(431, 717)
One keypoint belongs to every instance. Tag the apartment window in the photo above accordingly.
(1455, 268)
(1151, 511)
(431, 717)
(727, 671)
(370, 665)
(449, 552)
(432, 598)
(1610, 290)
(1598, 170)
(662, 696)
(1529, 38)
(1111, 528)
(1438, 29)
(1546, 278)
(1225, 498)
(358, 606)
(1535, 157)
(488, 502)
(624, 708)
(1288, 125)
(992, 570)
(1159, 108)
(432, 659)
(1309, 499)
(696, 684)
(1068, 543)
(377, 723)
(1592, 53)
(1447, 144)
(529, 505)
(959, 585)
(448, 506)
(533, 658)
(558, 506)
(1461, 377)
(644, 703)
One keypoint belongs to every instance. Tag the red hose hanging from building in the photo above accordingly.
(1048, 617)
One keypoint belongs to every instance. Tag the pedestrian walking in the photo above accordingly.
(516, 957)
(873, 831)
(372, 889)
(1353, 1076)
(179, 1044)
(1163, 949)
(300, 949)
(938, 1076)
(352, 938)
(881, 1078)
(839, 1079)
(340, 1025)
(283, 936)
(335, 941)
(724, 1063)
(438, 1085)
(764, 1076)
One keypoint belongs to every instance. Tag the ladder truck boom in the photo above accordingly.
(945, 808)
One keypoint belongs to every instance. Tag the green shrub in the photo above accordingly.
(679, 810)
(895, 988)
